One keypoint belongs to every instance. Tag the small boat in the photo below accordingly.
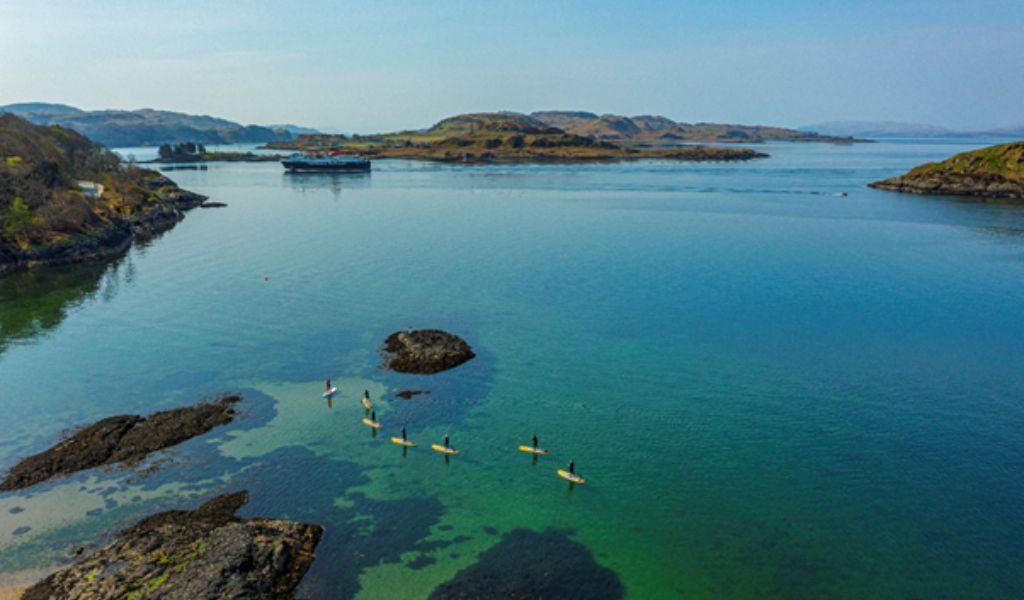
(571, 476)
(333, 162)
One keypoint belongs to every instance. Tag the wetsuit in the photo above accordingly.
(572, 467)
(403, 435)
(373, 416)
(534, 441)
(446, 440)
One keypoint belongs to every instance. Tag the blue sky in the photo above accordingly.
(384, 65)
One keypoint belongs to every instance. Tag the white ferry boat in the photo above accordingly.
(332, 162)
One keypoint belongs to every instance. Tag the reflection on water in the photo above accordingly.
(334, 182)
(34, 302)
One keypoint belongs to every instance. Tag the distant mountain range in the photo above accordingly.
(887, 129)
(148, 127)
(659, 130)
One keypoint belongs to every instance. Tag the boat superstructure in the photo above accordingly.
(329, 162)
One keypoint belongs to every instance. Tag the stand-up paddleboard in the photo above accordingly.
(571, 476)
(367, 404)
(443, 450)
(401, 442)
(532, 450)
(373, 424)
(330, 392)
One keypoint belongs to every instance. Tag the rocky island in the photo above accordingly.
(122, 439)
(425, 351)
(65, 199)
(993, 173)
(192, 152)
(506, 137)
(203, 553)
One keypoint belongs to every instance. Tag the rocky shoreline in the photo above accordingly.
(203, 553)
(116, 238)
(123, 439)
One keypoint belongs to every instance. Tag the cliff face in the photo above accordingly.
(65, 199)
(996, 172)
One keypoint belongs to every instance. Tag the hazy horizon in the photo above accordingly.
(396, 65)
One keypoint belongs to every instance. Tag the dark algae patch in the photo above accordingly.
(121, 439)
(203, 553)
(527, 565)
(425, 351)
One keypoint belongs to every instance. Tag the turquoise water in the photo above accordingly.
(773, 389)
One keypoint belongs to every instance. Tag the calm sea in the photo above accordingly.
(777, 382)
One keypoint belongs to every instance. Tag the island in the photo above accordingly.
(66, 199)
(194, 152)
(203, 553)
(509, 137)
(995, 173)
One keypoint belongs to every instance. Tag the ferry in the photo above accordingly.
(298, 163)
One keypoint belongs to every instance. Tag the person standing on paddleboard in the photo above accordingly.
(404, 439)
(328, 382)
(572, 466)
(446, 440)
(373, 416)
(535, 441)
(366, 394)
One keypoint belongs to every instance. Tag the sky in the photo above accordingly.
(384, 65)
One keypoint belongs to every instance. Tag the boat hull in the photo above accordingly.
(301, 167)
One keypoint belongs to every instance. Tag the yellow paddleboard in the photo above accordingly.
(444, 450)
(367, 404)
(570, 476)
(532, 450)
(373, 424)
(401, 442)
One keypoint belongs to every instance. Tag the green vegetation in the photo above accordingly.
(191, 152)
(995, 172)
(57, 186)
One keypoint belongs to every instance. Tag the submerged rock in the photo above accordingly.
(203, 553)
(425, 351)
(528, 564)
(407, 394)
(121, 439)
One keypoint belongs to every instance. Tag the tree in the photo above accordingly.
(19, 223)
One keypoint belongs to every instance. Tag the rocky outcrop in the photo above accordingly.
(121, 439)
(995, 173)
(203, 553)
(425, 351)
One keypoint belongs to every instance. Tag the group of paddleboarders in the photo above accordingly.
(447, 440)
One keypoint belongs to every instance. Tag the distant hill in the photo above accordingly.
(896, 129)
(995, 172)
(563, 118)
(146, 127)
(499, 122)
(292, 129)
(64, 198)
(656, 130)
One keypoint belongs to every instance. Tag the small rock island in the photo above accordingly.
(121, 439)
(203, 553)
(993, 173)
(425, 351)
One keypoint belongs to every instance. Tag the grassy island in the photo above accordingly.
(494, 137)
(993, 173)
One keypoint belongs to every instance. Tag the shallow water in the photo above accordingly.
(773, 389)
